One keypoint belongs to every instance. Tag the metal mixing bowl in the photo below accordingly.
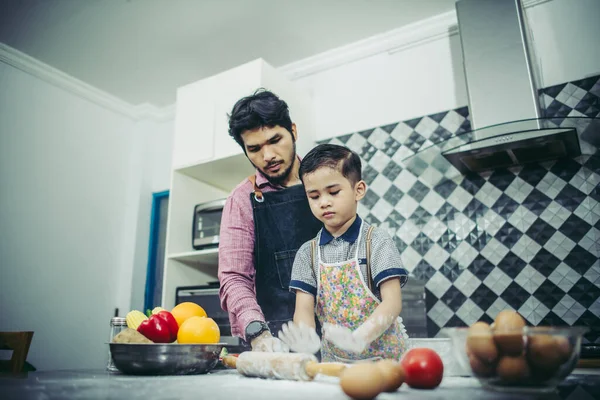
(165, 359)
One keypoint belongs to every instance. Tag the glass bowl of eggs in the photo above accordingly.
(510, 356)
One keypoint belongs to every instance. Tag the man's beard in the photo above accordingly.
(278, 180)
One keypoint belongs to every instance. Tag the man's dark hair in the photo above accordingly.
(262, 109)
(333, 156)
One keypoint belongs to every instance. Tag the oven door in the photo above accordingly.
(207, 297)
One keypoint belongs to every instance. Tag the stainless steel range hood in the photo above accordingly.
(503, 98)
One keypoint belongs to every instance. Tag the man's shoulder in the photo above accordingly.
(245, 186)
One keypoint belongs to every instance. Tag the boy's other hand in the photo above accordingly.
(344, 338)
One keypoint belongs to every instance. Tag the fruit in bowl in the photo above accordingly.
(508, 355)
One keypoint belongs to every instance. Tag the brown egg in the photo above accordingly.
(507, 332)
(393, 375)
(480, 368)
(480, 342)
(564, 348)
(513, 369)
(543, 352)
(362, 381)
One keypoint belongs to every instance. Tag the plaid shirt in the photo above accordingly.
(236, 256)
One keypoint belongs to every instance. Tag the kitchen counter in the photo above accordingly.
(228, 384)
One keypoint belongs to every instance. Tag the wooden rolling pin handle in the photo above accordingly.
(330, 369)
(229, 361)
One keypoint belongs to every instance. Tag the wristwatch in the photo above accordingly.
(254, 329)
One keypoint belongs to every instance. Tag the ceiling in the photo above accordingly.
(142, 50)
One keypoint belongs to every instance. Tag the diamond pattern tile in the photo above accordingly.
(570, 197)
(584, 292)
(580, 259)
(469, 312)
(453, 298)
(540, 231)
(549, 294)
(518, 190)
(533, 311)
(568, 309)
(551, 185)
(483, 296)
(564, 277)
(522, 218)
(526, 248)
(515, 295)
(529, 279)
(497, 306)
(511, 264)
(560, 245)
(497, 281)
(526, 238)
(555, 215)
(467, 283)
(536, 201)
(501, 178)
(505, 206)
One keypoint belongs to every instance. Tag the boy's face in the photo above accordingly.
(332, 198)
(272, 151)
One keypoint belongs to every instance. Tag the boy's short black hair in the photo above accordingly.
(261, 109)
(333, 156)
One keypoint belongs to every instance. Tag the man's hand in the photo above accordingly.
(344, 338)
(300, 338)
(266, 342)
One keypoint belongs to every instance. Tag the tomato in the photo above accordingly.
(423, 368)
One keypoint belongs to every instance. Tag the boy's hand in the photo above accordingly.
(301, 338)
(344, 338)
(266, 342)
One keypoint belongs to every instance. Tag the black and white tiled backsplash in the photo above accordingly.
(525, 238)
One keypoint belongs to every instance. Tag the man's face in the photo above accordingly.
(272, 151)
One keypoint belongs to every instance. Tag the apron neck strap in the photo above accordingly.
(258, 196)
(369, 274)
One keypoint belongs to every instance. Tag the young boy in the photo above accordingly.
(350, 275)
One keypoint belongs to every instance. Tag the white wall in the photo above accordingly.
(565, 35)
(151, 165)
(387, 88)
(72, 176)
(428, 78)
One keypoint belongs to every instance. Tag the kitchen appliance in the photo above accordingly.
(207, 297)
(503, 99)
(207, 224)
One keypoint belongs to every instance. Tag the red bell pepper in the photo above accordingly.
(171, 322)
(160, 328)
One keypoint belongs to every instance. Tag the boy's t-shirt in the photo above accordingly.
(385, 257)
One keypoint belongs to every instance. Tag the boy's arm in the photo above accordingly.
(385, 314)
(305, 309)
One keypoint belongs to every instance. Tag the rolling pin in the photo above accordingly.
(289, 366)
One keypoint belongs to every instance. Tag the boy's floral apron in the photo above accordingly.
(344, 299)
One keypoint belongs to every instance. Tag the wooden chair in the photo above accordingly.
(19, 343)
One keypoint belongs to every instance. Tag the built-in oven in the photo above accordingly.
(207, 297)
(206, 224)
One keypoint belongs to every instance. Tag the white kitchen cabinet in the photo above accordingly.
(207, 163)
(193, 141)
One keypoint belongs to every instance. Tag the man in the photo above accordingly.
(265, 221)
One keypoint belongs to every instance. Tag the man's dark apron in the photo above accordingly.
(282, 223)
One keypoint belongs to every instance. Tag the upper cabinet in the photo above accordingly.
(201, 121)
(208, 163)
